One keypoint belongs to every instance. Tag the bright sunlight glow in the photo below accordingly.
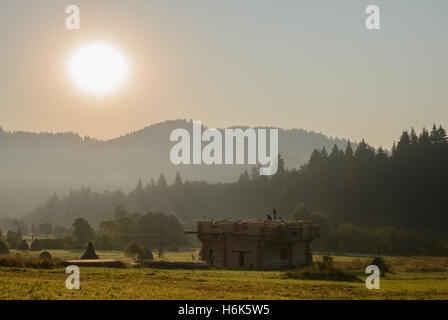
(98, 68)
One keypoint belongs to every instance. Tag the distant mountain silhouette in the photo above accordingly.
(35, 165)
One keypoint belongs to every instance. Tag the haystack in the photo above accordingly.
(89, 254)
(379, 262)
(45, 255)
(23, 246)
(3, 248)
(146, 255)
(35, 245)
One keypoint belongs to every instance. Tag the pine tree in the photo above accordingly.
(139, 186)
(434, 135)
(281, 165)
(424, 139)
(178, 179)
(442, 135)
(413, 138)
(162, 181)
(404, 144)
(244, 177)
(349, 150)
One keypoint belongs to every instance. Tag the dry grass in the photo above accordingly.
(26, 261)
(313, 273)
(412, 278)
(185, 255)
(395, 264)
(152, 284)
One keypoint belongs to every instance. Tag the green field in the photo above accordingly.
(412, 278)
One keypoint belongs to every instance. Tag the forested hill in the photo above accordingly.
(368, 188)
(34, 166)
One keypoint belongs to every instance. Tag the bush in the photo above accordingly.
(3, 248)
(13, 241)
(381, 264)
(53, 244)
(312, 273)
(134, 249)
(105, 243)
(325, 264)
(323, 270)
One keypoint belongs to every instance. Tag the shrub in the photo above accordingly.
(3, 248)
(311, 273)
(134, 249)
(323, 270)
(13, 242)
(54, 244)
(105, 243)
(325, 264)
(381, 264)
(23, 246)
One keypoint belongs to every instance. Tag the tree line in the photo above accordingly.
(354, 188)
(152, 229)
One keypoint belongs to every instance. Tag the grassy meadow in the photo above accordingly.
(184, 255)
(411, 278)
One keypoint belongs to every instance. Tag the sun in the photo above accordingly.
(98, 68)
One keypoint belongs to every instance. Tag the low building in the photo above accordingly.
(255, 244)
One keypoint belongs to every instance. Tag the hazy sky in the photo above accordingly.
(306, 64)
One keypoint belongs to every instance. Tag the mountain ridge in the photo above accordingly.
(39, 164)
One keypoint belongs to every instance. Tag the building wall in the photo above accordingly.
(300, 252)
(241, 245)
(271, 255)
(212, 252)
(232, 249)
